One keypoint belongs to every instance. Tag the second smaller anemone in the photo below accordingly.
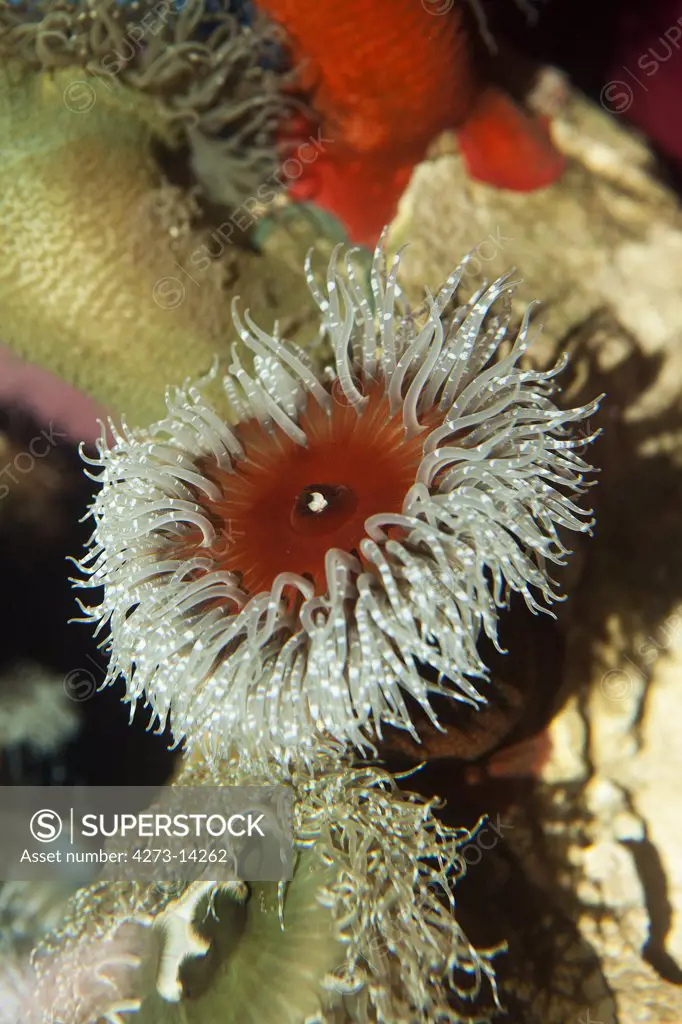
(365, 930)
(339, 551)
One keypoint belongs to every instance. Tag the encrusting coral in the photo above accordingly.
(291, 578)
(116, 122)
(364, 932)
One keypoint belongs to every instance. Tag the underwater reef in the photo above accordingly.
(290, 682)
(330, 535)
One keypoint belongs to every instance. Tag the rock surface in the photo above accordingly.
(603, 250)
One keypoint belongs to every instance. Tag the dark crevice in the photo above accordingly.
(655, 885)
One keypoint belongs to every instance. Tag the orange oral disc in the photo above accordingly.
(285, 505)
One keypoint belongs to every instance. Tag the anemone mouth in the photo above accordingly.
(284, 505)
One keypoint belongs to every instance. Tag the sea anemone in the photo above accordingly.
(118, 121)
(79, 982)
(204, 71)
(16, 979)
(364, 931)
(338, 552)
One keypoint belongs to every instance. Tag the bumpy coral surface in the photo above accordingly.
(116, 121)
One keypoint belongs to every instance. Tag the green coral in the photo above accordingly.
(105, 225)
